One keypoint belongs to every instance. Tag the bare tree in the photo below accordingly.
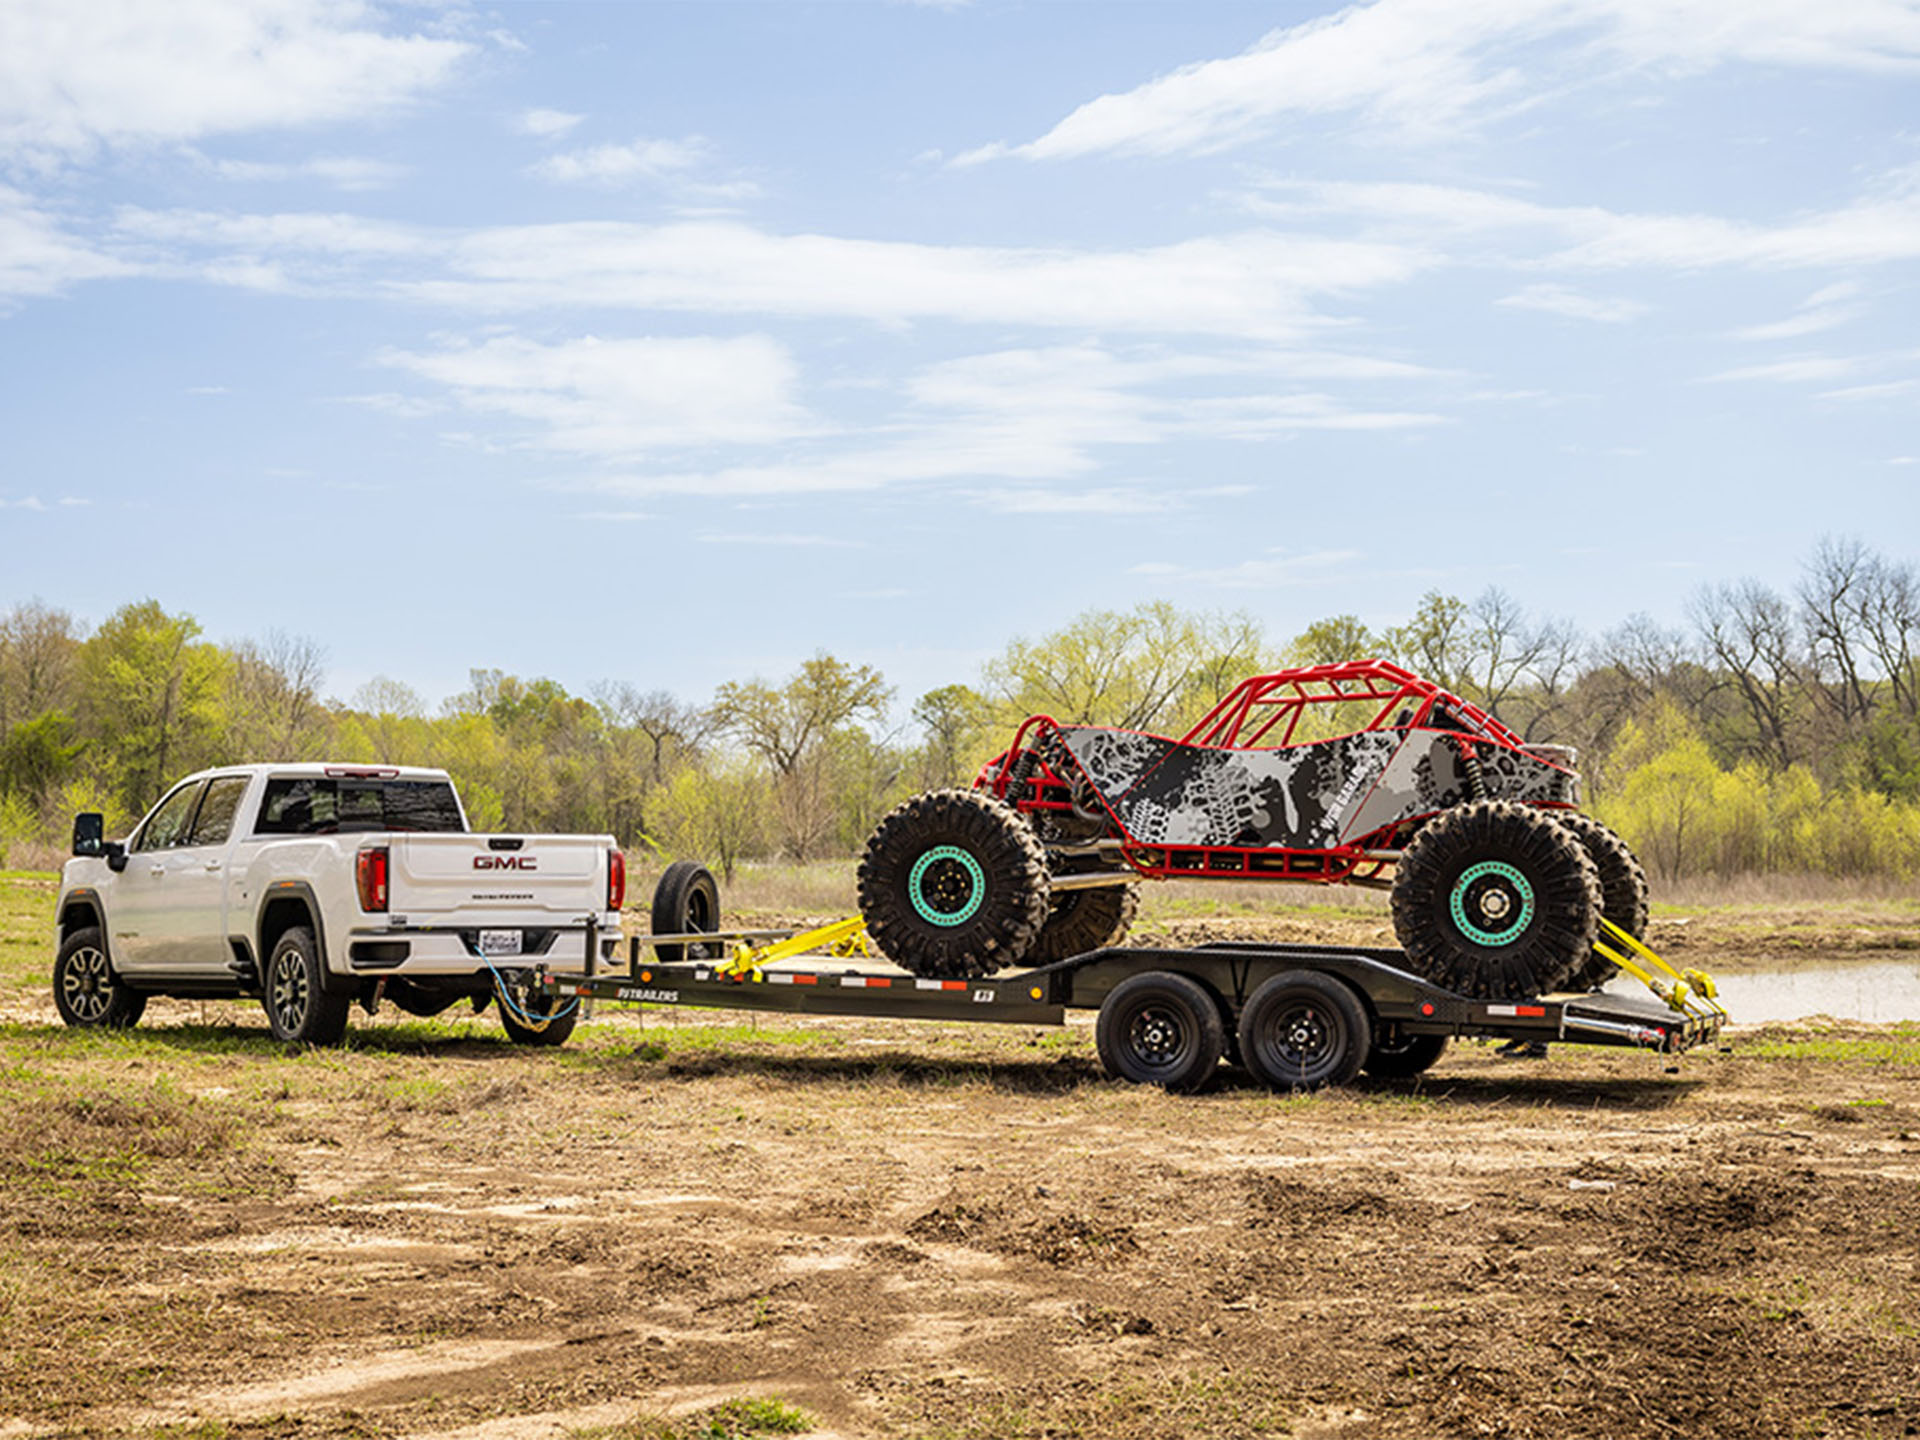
(1831, 592)
(1749, 630)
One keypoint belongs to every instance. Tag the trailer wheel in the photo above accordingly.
(1401, 1057)
(86, 992)
(1302, 1030)
(1497, 901)
(954, 883)
(684, 901)
(1082, 920)
(1623, 891)
(1161, 1029)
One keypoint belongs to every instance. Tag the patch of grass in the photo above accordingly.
(1896, 1045)
(742, 1418)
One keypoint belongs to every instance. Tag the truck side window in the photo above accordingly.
(167, 826)
(214, 824)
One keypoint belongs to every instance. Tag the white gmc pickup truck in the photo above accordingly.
(315, 886)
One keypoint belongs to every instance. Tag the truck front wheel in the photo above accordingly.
(86, 992)
(299, 1009)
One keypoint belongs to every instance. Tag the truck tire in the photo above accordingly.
(1082, 920)
(1159, 1028)
(1302, 1030)
(954, 884)
(1497, 901)
(86, 992)
(550, 1034)
(1402, 1057)
(686, 899)
(1623, 892)
(299, 1008)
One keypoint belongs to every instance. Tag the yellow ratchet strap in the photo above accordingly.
(843, 937)
(1689, 985)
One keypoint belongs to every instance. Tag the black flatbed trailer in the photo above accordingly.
(1302, 1015)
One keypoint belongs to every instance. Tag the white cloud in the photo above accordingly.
(39, 256)
(1795, 371)
(114, 72)
(343, 172)
(1826, 309)
(786, 540)
(1110, 500)
(1559, 300)
(31, 502)
(546, 124)
(1421, 68)
(617, 164)
(1273, 571)
(621, 399)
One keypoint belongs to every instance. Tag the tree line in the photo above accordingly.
(1771, 732)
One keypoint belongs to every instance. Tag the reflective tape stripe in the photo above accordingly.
(939, 984)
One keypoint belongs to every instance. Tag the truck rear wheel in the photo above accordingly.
(86, 992)
(686, 899)
(953, 883)
(299, 1009)
(1302, 1030)
(1497, 901)
(542, 1020)
(1159, 1028)
(1623, 892)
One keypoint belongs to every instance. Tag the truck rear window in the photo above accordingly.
(314, 806)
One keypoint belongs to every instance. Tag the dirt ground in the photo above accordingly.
(944, 1231)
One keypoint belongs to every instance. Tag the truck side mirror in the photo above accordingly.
(89, 833)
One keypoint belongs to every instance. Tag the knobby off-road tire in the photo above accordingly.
(954, 884)
(1623, 892)
(1159, 1028)
(686, 899)
(86, 992)
(1082, 920)
(1497, 901)
(1302, 1030)
(1402, 1057)
(299, 1009)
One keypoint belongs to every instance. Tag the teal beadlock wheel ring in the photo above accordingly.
(1494, 901)
(930, 889)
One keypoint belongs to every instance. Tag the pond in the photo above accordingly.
(1878, 993)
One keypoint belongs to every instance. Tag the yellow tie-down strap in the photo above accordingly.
(842, 938)
(1692, 991)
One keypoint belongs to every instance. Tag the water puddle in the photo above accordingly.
(1878, 994)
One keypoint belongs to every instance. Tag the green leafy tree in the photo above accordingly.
(151, 694)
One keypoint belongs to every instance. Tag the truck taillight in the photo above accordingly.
(616, 880)
(370, 871)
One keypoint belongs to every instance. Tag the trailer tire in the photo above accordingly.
(1497, 901)
(1403, 1056)
(954, 884)
(685, 900)
(86, 991)
(1623, 892)
(1302, 1030)
(1159, 1028)
(300, 1008)
(1082, 920)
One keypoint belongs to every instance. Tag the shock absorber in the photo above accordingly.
(1476, 778)
(1018, 773)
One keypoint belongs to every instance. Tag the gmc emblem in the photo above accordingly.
(505, 862)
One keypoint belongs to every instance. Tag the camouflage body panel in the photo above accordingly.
(1304, 797)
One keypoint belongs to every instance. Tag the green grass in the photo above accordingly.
(743, 1418)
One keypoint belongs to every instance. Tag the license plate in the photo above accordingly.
(499, 942)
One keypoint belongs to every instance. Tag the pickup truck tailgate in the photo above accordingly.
(562, 876)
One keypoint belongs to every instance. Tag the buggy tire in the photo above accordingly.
(1623, 892)
(299, 1008)
(1159, 1028)
(685, 900)
(86, 991)
(1403, 1056)
(1496, 901)
(954, 884)
(1302, 1030)
(552, 1034)
(1082, 920)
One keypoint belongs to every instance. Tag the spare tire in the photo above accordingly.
(1497, 901)
(1082, 920)
(685, 900)
(953, 883)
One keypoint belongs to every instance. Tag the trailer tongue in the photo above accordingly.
(1303, 1016)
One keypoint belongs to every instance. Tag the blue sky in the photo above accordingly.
(669, 344)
